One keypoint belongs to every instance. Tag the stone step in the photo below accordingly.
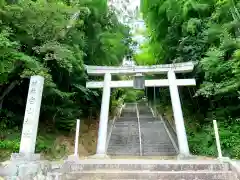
(161, 141)
(125, 153)
(128, 115)
(125, 125)
(150, 121)
(149, 128)
(122, 134)
(126, 122)
(159, 146)
(130, 122)
(166, 154)
(125, 130)
(145, 164)
(119, 147)
(125, 140)
(129, 110)
(187, 175)
(147, 119)
(149, 124)
(145, 112)
(159, 152)
(124, 143)
(127, 119)
(127, 149)
(145, 138)
(160, 158)
(154, 131)
(131, 151)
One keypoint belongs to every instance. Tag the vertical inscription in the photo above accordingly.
(29, 108)
(27, 133)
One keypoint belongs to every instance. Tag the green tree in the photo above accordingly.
(206, 32)
(55, 39)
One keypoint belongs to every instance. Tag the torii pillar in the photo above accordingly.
(178, 115)
(103, 124)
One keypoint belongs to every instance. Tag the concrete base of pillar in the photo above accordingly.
(99, 156)
(186, 157)
(224, 159)
(25, 157)
(73, 157)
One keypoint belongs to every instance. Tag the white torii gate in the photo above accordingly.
(172, 82)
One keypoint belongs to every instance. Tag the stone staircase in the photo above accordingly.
(155, 138)
(145, 169)
(125, 139)
(131, 169)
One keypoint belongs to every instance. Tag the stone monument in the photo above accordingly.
(30, 123)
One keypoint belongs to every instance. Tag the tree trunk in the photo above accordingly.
(6, 92)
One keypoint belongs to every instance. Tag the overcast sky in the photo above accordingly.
(135, 3)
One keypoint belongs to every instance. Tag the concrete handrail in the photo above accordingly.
(169, 126)
(172, 135)
(139, 130)
(157, 114)
(117, 115)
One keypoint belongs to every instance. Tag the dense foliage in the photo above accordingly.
(55, 39)
(207, 32)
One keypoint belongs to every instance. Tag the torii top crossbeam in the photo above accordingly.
(155, 69)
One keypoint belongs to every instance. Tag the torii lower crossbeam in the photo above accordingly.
(148, 83)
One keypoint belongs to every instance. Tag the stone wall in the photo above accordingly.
(30, 170)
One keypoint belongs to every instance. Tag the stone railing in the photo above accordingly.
(169, 125)
(117, 114)
(171, 128)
